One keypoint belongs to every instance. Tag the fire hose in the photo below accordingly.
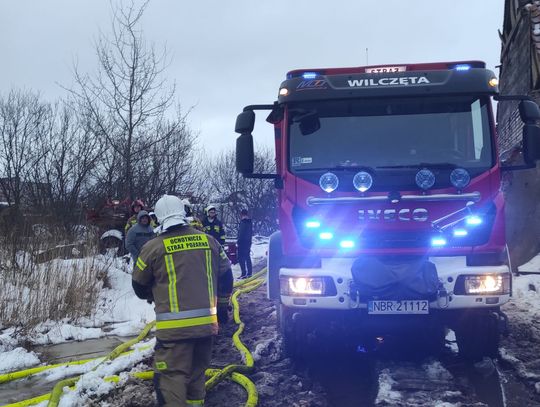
(234, 371)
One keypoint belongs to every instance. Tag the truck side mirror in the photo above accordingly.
(531, 141)
(529, 111)
(245, 156)
(245, 122)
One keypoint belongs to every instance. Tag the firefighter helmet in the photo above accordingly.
(187, 207)
(137, 202)
(209, 208)
(170, 211)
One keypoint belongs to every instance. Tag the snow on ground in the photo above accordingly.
(520, 348)
(259, 249)
(92, 383)
(119, 311)
(18, 358)
(119, 306)
(386, 394)
(57, 332)
(532, 266)
(526, 288)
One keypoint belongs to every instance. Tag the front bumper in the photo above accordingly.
(448, 270)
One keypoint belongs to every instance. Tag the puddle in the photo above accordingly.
(76, 350)
(23, 389)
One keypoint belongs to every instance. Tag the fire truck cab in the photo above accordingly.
(390, 205)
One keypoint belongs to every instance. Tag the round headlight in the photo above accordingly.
(460, 178)
(425, 179)
(362, 181)
(329, 182)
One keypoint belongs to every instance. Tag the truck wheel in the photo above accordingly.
(290, 332)
(275, 255)
(478, 336)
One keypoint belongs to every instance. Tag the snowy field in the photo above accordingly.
(119, 313)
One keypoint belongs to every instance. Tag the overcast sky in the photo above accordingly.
(228, 54)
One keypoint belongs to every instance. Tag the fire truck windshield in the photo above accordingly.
(400, 132)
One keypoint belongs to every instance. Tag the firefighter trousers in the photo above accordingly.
(179, 371)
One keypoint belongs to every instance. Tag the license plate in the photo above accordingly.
(386, 69)
(398, 307)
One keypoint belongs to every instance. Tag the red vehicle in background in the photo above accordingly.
(390, 206)
(111, 219)
(231, 249)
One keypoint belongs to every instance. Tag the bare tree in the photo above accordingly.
(22, 118)
(236, 192)
(66, 153)
(130, 104)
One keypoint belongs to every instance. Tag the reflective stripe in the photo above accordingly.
(140, 264)
(171, 272)
(222, 254)
(211, 296)
(195, 402)
(202, 312)
(186, 323)
(223, 300)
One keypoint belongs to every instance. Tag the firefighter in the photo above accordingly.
(212, 225)
(191, 217)
(136, 206)
(188, 276)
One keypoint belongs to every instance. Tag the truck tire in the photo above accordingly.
(478, 336)
(291, 333)
(435, 339)
(275, 255)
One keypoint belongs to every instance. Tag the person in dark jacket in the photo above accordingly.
(245, 232)
(139, 234)
(213, 226)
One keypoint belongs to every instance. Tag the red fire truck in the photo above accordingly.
(390, 206)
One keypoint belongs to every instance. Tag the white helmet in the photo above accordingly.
(170, 211)
(188, 208)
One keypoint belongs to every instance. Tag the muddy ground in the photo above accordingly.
(354, 380)
(277, 381)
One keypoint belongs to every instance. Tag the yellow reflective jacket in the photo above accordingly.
(182, 267)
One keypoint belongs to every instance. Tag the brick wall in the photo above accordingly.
(522, 188)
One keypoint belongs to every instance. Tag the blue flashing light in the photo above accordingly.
(346, 244)
(462, 67)
(309, 75)
(326, 236)
(460, 232)
(313, 224)
(438, 242)
(474, 220)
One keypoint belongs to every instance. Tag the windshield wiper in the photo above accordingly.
(420, 165)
